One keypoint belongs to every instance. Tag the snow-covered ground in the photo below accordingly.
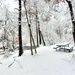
(47, 61)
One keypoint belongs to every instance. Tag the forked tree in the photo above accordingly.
(30, 31)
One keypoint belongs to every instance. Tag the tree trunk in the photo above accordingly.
(42, 38)
(13, 41)
(72, 17)
(37, 28)
(20, 32)
(31, 36)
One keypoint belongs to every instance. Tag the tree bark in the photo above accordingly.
(72, 17)
(13, 41)
(39, 33)
(42, 38)
(31, 36)
(20, 31)
(37, 27)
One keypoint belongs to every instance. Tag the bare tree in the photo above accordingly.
(29, 25)
(37, 36)
(38, 31)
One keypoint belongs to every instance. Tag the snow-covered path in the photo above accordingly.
(46, 62)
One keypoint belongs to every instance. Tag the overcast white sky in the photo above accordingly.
(12, 4)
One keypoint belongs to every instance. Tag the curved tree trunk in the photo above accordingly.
(72, 17)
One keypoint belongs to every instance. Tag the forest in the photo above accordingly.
(31, 31)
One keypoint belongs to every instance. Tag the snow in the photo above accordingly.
(64, 43)
(54, 19)
(12, 4)
(56, 27)
(47, 61)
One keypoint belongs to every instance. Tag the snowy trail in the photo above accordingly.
(46, 62)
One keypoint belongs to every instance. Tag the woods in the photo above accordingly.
(37, 37)
(32, 24)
